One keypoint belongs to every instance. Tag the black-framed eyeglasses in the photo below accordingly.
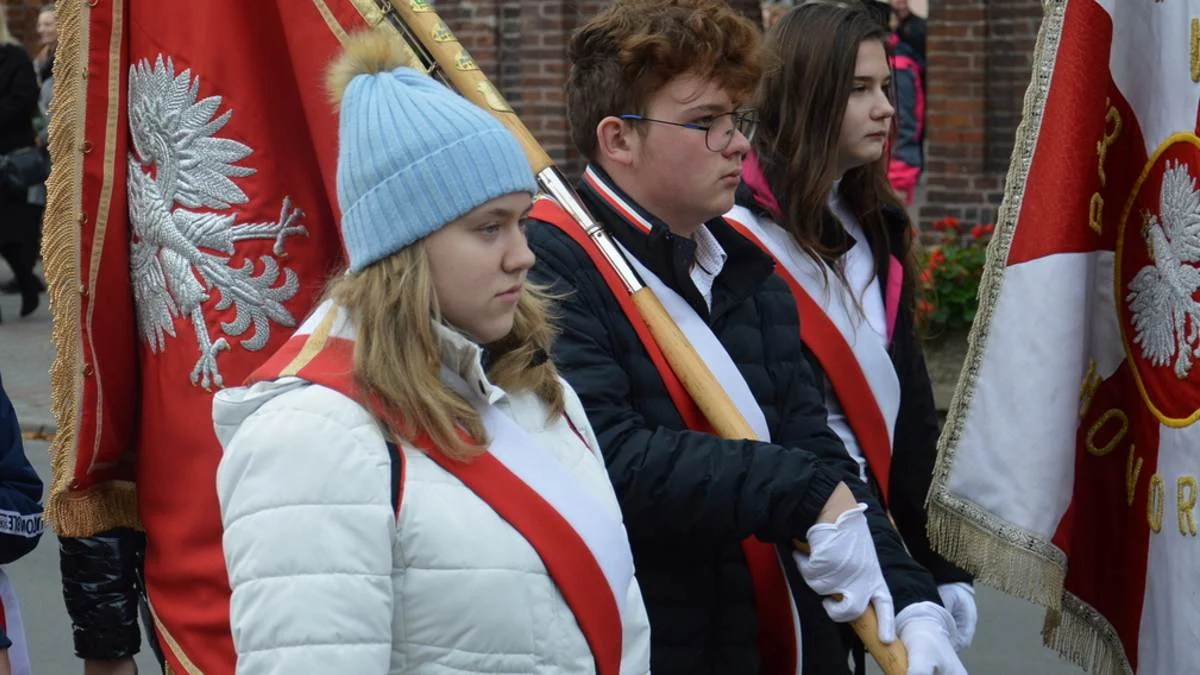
(718, 133)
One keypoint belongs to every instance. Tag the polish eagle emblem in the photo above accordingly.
(1164, 312)
(185, 234)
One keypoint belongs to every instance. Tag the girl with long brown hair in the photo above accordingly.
(408, 486)
(815, 196)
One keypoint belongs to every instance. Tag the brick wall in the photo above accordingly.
(979, 58)
(521, 46)
(22, 18)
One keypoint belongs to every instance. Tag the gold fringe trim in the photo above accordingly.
(61, 249)
(1000, 554)
(110, 505)
(84, 512)
(957, 528)
(1081, 635)
(1009, 558)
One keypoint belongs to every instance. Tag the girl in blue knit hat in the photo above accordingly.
(408, 486)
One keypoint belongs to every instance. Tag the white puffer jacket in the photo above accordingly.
(326, 580)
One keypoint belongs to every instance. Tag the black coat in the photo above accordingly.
(916, 434)
(18, 106)
(20, 494)
(18, 98)
(690, 498)
(914, 442)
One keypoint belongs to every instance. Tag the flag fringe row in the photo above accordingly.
(105, 506)
(1084, 637)
(1000, 554)
(997, 552)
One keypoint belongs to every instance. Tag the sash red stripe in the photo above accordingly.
(776, 633)
(845, 374)
(565, 555)
(602, 191)
(547, 211)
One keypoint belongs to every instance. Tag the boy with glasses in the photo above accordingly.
(655, 96)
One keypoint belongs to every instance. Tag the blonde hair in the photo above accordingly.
(397, 354)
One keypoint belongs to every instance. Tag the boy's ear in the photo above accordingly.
(616, 140)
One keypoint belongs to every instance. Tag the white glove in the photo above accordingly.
(925, 629)
(842, 562)
(959, 599)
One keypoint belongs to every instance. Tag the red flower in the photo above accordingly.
(936, 258)
(952, 223)
(927, 277)
(925, 308)
(989, 228)
(978, 232)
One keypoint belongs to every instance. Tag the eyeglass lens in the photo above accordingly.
(720, 134)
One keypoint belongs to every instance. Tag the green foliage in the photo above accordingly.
(948, 286)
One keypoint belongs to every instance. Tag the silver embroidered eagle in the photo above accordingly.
(181, 191)
(1166, 316)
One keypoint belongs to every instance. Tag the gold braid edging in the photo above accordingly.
(103, 507)
(1002, 555)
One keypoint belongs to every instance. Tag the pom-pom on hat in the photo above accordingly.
(413, 156)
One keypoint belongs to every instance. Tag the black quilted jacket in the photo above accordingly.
(690, 498)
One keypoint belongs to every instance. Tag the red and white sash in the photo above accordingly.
(581, 542)
(707, 346)
(779, 623)
(854, 358)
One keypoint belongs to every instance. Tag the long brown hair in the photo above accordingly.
(398, 357)
(801, 104)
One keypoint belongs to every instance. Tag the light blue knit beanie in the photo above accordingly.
(413, 156)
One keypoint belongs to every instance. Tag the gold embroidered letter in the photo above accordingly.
(1122, 428)
(1186, 485)
(1113, 117)
(1154, 504)
(1195, 50)
(1091, 382)
(1132, 471)
(1096, 213)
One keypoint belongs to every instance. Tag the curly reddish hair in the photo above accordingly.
(624, 54)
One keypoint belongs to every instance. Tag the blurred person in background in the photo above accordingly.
(20, 216)
(47, 31)
(910, 29)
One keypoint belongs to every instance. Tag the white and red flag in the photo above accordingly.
(1068, 468)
